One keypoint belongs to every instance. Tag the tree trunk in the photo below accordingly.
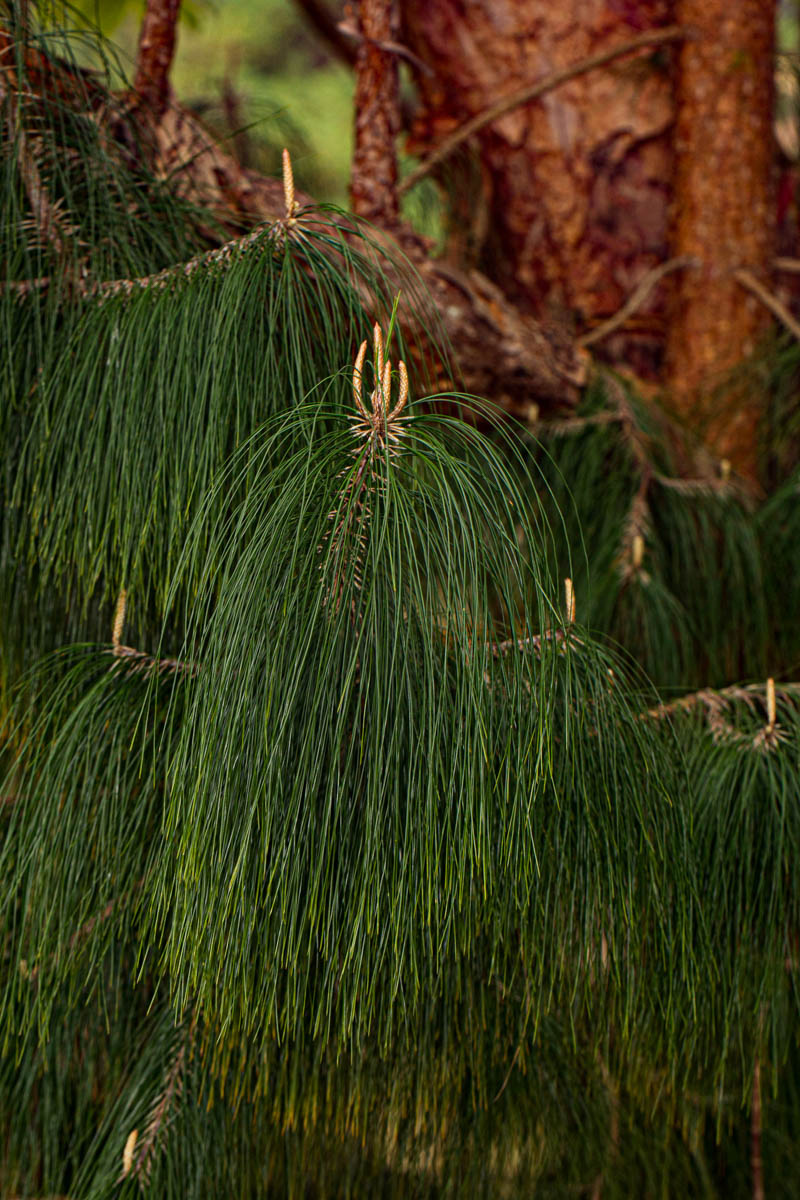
(575, 186)
(723, 215)
(154, 57)
(373, 183)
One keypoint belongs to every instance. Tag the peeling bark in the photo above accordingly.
(577, 182)
(724, 214)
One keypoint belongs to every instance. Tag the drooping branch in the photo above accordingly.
(155, 54)
(137, 1160)
(373, 182)
(654, 37)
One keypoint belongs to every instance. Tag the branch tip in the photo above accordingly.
(119, 620)
(288, 186)
(569, 600)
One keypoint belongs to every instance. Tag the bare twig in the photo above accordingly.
(791, 266)
(636, 299)
(748, 280)
(353, 34)
(154, 57)
(644, 41)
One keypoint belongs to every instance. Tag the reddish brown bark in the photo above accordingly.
(724, 215)
(576, 184)
(502, 354)
(373, 183)
(155, 54)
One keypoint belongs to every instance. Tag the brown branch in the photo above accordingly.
(138, 662)
(745, 694)
(103, 289)
(373, 180)
(756, 1159)
(748, 280)
(155, 54)
(353, 34)
(644, 41)
(45, 212)
(715, 702)
(142, 1162)
(790, 265)
(636, 299)
(325, 24)
(560, 637)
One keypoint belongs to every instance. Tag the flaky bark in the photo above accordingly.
(373, 183)
(155, 54)
(723, 214)
(575, 184)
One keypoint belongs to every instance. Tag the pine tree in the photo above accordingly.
(347, 850)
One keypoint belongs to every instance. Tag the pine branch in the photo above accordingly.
(141, 1160)
(567, 426)
(645, 41)
(221, 257)
(46, 216)
(137, 662)
(535, 642)
(716, 702)
(526, 359)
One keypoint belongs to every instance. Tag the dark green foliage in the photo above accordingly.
(344, 860)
